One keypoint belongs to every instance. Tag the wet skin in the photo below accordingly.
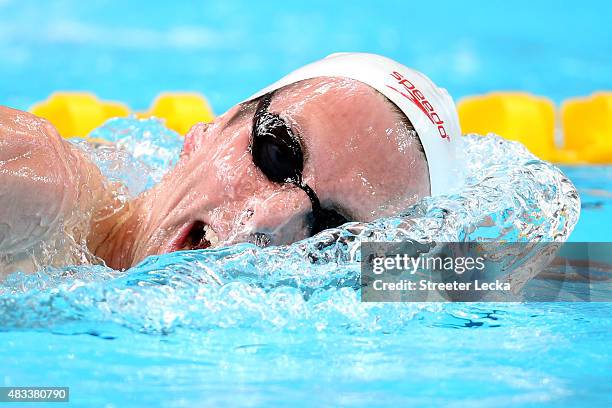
(359, 158)
(47, 190)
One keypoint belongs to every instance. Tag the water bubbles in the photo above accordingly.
(140, 153)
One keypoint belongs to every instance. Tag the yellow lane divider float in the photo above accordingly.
(515, 116)
(180, 110)
(586, 123)
(587, 127)
(76, 114)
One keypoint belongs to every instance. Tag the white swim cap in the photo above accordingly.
(430, 109)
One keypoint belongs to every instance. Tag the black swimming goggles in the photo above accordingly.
(277, 152)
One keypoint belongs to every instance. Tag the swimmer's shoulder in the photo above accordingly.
(49, 187)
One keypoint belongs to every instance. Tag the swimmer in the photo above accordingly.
(352, 137)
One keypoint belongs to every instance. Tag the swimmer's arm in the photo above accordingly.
(45, 182)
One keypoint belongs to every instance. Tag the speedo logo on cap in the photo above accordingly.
(416, 96)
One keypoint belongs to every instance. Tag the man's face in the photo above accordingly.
(359, 158)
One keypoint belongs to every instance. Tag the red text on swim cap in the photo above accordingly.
(416, 96)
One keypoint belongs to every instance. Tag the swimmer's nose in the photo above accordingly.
(280, 219)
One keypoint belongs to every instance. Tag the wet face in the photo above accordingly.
(358, 156)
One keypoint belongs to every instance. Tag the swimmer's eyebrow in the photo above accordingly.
(241, 113)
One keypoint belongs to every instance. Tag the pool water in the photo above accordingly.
(241, 344)
(506, 355)
(593, 184)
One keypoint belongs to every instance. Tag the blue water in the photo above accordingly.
(241, 344)
(523, 355)
(595, 189)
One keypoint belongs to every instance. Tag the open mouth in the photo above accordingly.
(200, 236)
